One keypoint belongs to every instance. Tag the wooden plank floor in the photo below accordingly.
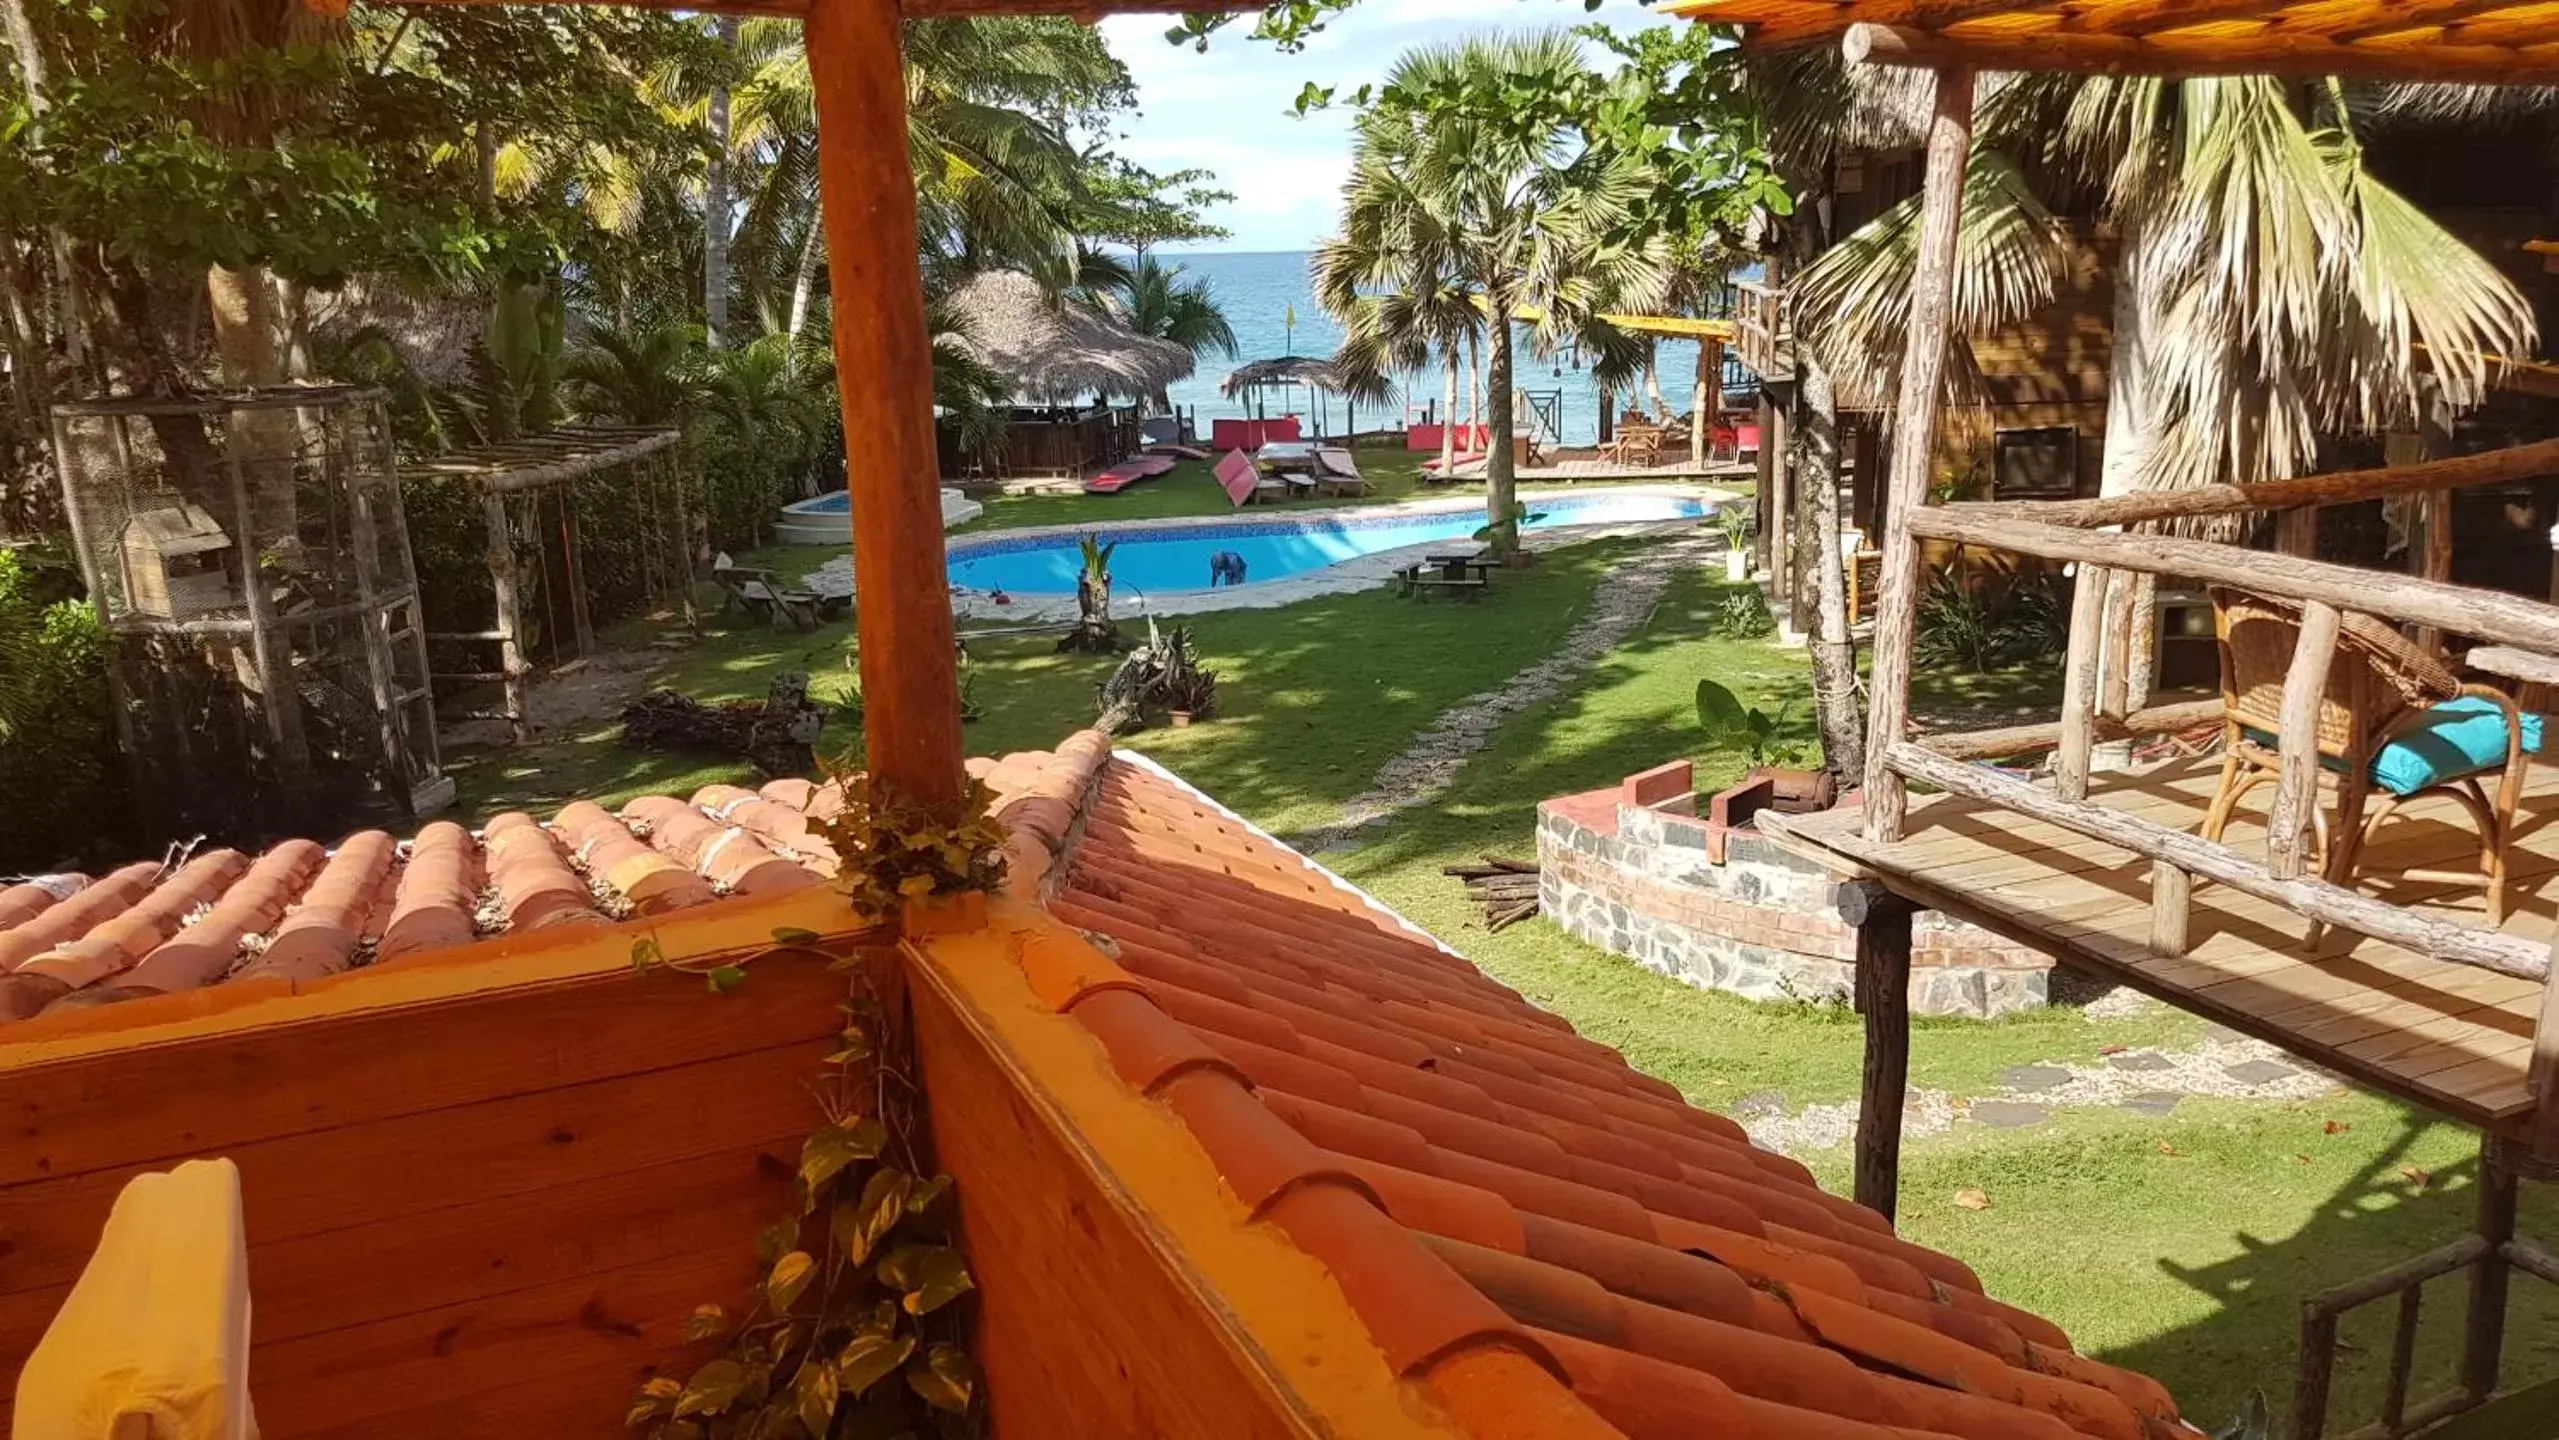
(2451, 1037)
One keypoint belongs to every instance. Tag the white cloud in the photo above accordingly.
(1229, 111)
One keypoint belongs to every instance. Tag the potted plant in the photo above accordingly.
(1791, 789)
(1739, 524)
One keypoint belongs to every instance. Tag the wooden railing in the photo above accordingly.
(1761, 337)
(2524, 636)
(2491, 1254)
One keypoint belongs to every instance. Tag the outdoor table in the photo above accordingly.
(1281, 454)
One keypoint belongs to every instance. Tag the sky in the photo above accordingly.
(1228, 111)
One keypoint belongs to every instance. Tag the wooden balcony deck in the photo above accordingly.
(2453, 1037)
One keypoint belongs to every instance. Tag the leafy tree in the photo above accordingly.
(1136, 207)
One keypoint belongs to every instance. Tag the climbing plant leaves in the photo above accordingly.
(931, 1275)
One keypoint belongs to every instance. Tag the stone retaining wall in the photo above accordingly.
(1633, 870)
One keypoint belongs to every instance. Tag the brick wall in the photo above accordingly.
(1730, 910)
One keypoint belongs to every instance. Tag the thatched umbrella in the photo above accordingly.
(1281, 372)
(1058, 354)
(1304, 370)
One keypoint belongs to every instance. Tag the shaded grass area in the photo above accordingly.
(1316, 695)
(2179, 1246)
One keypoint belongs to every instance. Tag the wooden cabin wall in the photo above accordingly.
(488, 1214)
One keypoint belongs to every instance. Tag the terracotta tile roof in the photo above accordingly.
(1554, 1243)
(300, 912)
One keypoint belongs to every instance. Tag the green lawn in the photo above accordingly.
(2179, 1246)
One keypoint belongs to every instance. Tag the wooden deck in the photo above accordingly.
(2452, 1037)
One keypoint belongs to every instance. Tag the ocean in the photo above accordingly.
(1258, 289)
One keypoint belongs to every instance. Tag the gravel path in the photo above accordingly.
(1625, 598)
(2145, 1082)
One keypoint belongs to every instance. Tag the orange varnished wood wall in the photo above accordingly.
(485, 1215)
(1084, 1331)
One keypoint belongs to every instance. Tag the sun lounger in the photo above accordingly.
(1126, 473)
(1337, 474)
(1237, 477)
(1462, 459)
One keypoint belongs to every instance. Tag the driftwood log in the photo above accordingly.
(1505, 887)
(777, 734)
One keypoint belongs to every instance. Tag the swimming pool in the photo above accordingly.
(1176, 557)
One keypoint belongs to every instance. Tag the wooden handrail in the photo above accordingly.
(2311, 898)
(2034, 739)
(2490, 615)
(2343, 487)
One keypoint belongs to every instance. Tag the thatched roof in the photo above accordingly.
(1306, 370)
(1059, 354)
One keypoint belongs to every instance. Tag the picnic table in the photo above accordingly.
(1467, 575)
(1291, 462)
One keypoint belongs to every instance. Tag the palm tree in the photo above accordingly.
(1494, 169)
(2270, 289)
(1155, 301)
(2278, 286)
(1394, 280)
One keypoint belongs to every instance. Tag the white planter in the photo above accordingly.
(1736, 566)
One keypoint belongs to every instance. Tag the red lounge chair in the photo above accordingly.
(1126, 473)
(1236, 475)
(1177, 451)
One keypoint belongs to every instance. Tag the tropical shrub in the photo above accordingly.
(1744, 616)
(1977, 625)
(60, 785)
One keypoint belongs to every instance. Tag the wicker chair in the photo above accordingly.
(2380, 688)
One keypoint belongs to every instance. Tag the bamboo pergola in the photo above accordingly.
(2424, 1004)
(517, 482)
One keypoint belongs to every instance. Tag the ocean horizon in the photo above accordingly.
(1259, 289)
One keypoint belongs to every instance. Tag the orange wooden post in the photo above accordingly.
(884, 375)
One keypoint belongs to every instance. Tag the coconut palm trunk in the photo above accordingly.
(1448, 422)
(1501, 480)
(716, 205)
(2130, 414)
(1474, 385)
(1833, 652)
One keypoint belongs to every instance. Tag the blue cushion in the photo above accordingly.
(2462, 736)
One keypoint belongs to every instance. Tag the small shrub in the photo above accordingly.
(1744, 616)
(61, 791)
(1989, 625)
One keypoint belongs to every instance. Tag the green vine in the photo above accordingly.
(895, 850)
(857, 1330)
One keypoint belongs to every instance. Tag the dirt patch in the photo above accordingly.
(574, 696)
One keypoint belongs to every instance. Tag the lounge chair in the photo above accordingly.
(1337, 473)
(1126, 473)
(1237, 477)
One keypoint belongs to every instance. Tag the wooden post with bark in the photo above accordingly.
(902, 599)
(1882, 921)
(1923, 366)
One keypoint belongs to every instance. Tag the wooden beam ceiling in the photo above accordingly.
(2474, 41)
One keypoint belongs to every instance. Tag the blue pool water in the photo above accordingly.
(1177, 558)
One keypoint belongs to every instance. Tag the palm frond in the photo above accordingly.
(2010, 255)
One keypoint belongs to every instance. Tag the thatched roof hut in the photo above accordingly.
(1059, 354)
